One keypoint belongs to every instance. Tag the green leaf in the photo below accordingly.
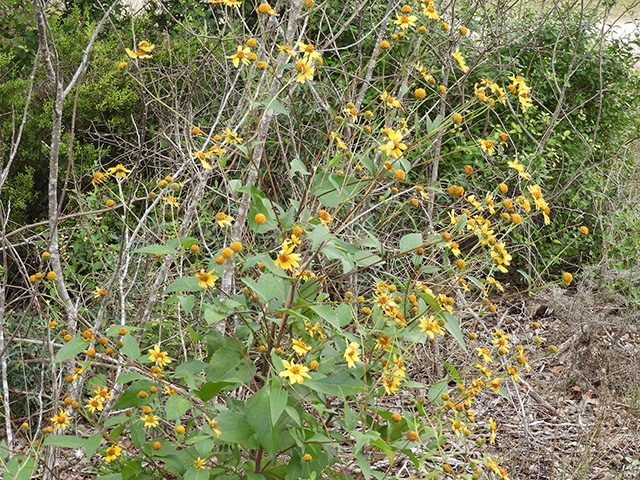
(70, 349)
(113, 476)
(137, 434)
(276, 106)
(236, 429)
(410, 242)
(337, 384)
(92, 445)
(116, 432)
(266, 287)
(196, 474)
(438, 389)
(277, 402)
(67, 441)
(126, 377)
(130, 347)
(297, 166)
(176, 406)
(184, 284)
(130, 397)
(187, 302)
(161, 249)
(454, 329)
(259, 417)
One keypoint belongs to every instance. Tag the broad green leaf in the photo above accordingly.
(160, 249)
(410, 242)
(454, 329)
(184, 284)
(71, 349)
(338, 384)
(113, 476)
(259, 417)
(185, 242)
(137, 434)
(277, 402)
(126, 377)
(275, 105)
(93, 442)
(437, 389)
(130, 347)
(67, 441)
(266, 287)
(116, 432)
(196, 474)
(131, 398)
(176, 406)
(187, 302)
(298, 166)
(236, 429)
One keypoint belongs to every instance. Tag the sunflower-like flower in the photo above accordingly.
(286, 258)
(240, 56)
(394, 146)
(295, 372)
(161, 358)
(351, 354)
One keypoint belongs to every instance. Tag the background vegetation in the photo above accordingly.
(250, 223)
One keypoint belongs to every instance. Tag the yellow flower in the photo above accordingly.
(119, 170)
(60, 421)
(300, 347)
(214, 425)
(286, 259)
(391, 101)
(487, 146)
(161, 358)
(206, 279)
(334, 137)
(231, 137)
(112, 453)
(224, 220)
(383, 341)
(501, 257)
(287, 49)
(305, 69)
(266, 8)
(493, 427)
(485, 354)
(143, 50)
(460, 59)
(430, 326)
(518, 167)
(199, 463)
(307, 50)
(294, 372)
(567, 278)
(98, 179)
(104, 392)
(99, 292)
(584, 230)
(455, 248)
(171, 200)
(150, 421)
(94, 403)
(351, 354)
(122, 65)
(240, 55)
(405, 21)
(325, 218)
(391, 384)
(394, 146)
(430, 11)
